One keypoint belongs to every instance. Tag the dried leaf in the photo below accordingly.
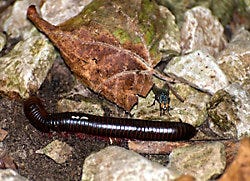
(240, 168)
(112, 46)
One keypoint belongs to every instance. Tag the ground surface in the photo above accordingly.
(23, 139)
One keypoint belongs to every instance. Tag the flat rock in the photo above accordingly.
(199, 68)
(57, 150)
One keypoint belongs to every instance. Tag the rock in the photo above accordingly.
(11, 175)
(15, 22)
(59, 11)
(3, 134)
(57, 150)
(115, 163)
(204, 161)
(221, 109)
(145, 108)
(2, 41)
(241, 99)
(239, 170)
(6, 161)
(87, 106)
(170, 42)
(193, 109)
(199, 68)
(25, 67)
(235, 59)
(179, 7)
(201, 31)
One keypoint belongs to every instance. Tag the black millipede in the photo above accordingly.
(105, 126)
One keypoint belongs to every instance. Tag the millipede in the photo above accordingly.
(76, 122)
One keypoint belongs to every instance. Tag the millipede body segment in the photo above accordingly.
(105, 126)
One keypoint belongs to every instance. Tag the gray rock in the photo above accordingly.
(11, 175)
(201, 31)
(235, 59)
(203, 161)
(58, 11)
(115, 163)
(15, 21)
(200, 69)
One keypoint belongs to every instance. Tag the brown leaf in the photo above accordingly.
(111, 65)
(239, 170)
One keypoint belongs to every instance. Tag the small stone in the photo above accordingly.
(199, 68)
(204, 161)
(239, 170)
(57, 150)
(11, 175)
(3, 134)
(202, 31)
(118, 164)
(6, 161)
